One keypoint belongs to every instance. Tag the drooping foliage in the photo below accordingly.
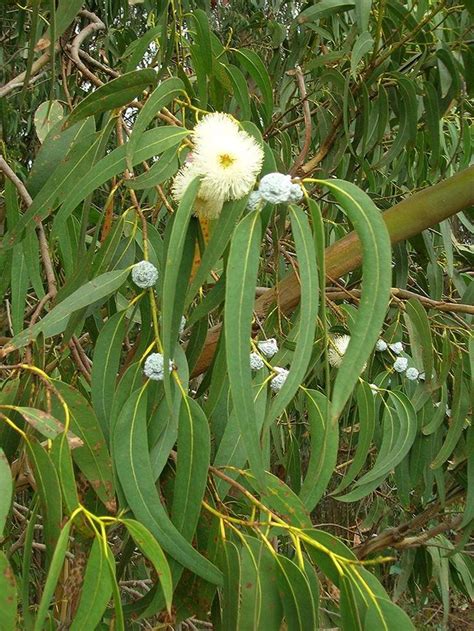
(333, 485)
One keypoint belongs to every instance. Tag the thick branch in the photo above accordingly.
(397, 537)
(404, 220)
(95, 25)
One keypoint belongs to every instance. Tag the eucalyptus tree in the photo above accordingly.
(236, 363)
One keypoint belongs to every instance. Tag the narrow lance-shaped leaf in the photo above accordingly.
(53, 576)
(366, 412)
(242, 268)
(152, 550)
(194, 450)
(49, 492)
(113, 94)
(105, 365)
(56, 320)
(159, 98)
(324, 434)
(174, 256)
(298, 604)
(95, 592)
(6, 490)
(309, 304)
(8, 595)
(132, 461)
(376, 282)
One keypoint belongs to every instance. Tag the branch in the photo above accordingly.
(404, 220)
(43, 242)
(18, 81)
(335, 293)
(94, 26)
(396, 537)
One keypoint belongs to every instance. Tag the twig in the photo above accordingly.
(94, 26)
(43, 242)
(76, 355)
(404, 294)
(307, 120)
(18, 81)
(396, 537)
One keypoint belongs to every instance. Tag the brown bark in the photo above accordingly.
(404, 220)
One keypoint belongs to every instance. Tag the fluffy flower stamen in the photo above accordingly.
(226, 158)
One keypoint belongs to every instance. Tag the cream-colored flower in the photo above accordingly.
(226, 158)
(337, 349)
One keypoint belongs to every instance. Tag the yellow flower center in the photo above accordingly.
(225, 160)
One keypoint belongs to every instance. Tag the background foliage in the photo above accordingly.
(130, 503)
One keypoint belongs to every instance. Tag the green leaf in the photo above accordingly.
(8, 595)
(56, 320)
(265, 562)
(280, 498)
(53, 150)
(298, 603)
(220, 236)
(26, 566)
(49, 492)
(45, 423)
(231, 451)
(387, 616)
(194, 451)
(6, 490)
(174, 262)
(60, 453)
(93, 458)
(324, 434)
(400, 427)
(363, 8)
(256, 69)
(323, 9)
(421, 342)
(351, 611)
(64, 15)
(47, 115)
(313, 544)
(165, 167)
(240, 90)
(407, 119)
(152, 550)
(53, 576)
(159, 98)
(366, 413)
(95, 592)
(308, 311)
(107, 352)
(150, 144)
(459, 412)
(113, 94)
(231, 569)
(250, 589)
(132, 461)
(363, 45)
(203, 38)
(19, 288)
(376, 282)
(469, 504)
(242, 268)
